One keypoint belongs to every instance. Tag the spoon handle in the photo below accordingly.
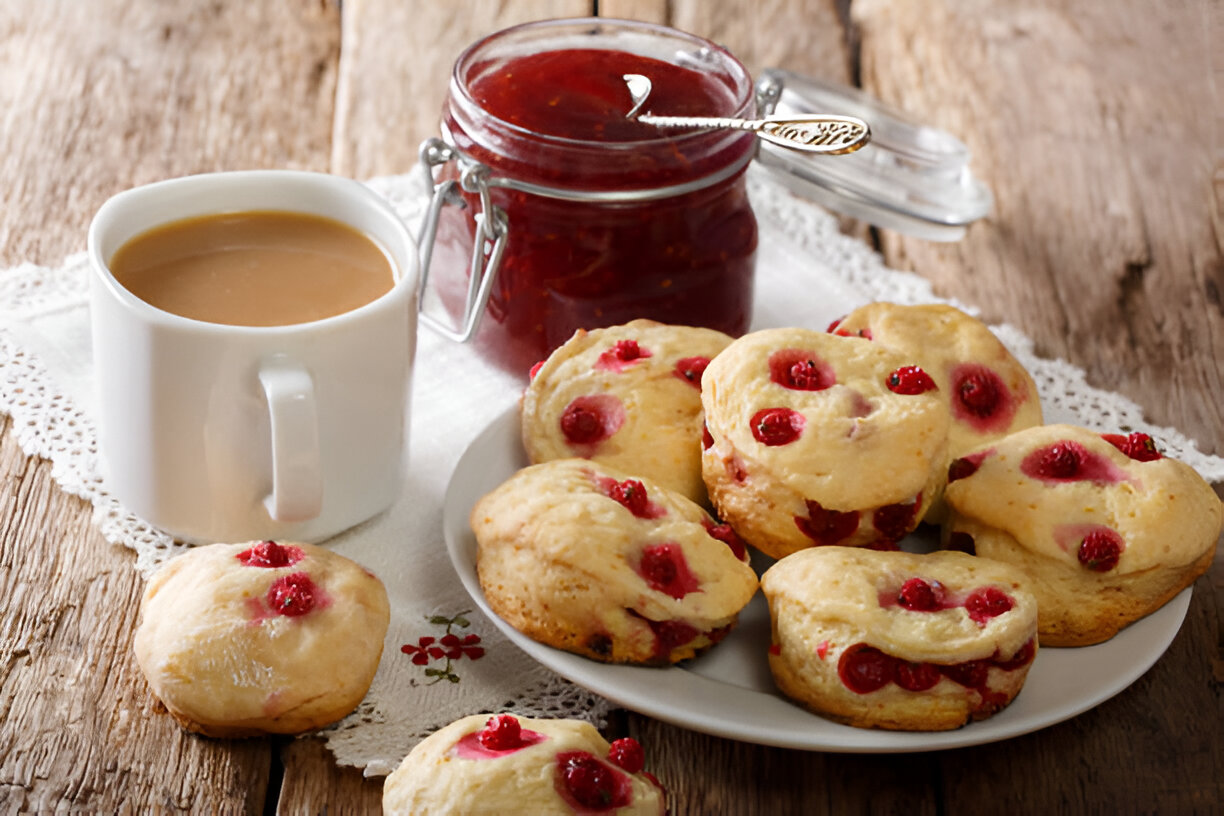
(813, 133)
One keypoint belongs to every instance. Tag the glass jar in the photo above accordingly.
(574, 216)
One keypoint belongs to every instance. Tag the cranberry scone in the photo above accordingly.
(586, 558)
(258, 638)
(988, 392)
(1107, 529)
(482, 766)
(628, 396)
(816, 439)
(896, 640)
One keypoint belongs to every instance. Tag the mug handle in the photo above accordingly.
(297, 480)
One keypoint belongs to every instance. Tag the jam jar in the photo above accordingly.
(553, 211)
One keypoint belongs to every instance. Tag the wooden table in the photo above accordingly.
(1098, 124)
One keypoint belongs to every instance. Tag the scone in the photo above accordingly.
(589, 559)
(1106, 528)
(260, 638)
(988, 392)
(815, 439)
(489, 766)
(897, 640)
(627, 396)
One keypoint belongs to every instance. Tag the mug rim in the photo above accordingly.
(407, 274)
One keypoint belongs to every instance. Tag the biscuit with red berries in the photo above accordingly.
(259, 638)
(628, 396)
(1107, 529)
(815, 439)
(589, 559)
(897, 640)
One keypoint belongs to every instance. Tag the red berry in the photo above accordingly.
(833, 326)
(800, 370)
(1061, 460)
(581, 425)
(1100, 550)
(292, 595)
(806, 376)
(827, 526)
(916, 676)
(962, 468)
(271, 555)
(979, 392)
(590, 419)
(1138, 446)
(627, 754)
(864, 669)
(986, 603)
(665, 570)
(894, 521)
(535, 369)
(626, 350)
(707, 440)
(631, 494)
(501, 733)
(1142, 448)
(777, 426)
(910, 380)
(690, 370)
(658, 567)
(919, 596)
(971, 674)
(728, 536)
(590, 783)
(671, 634)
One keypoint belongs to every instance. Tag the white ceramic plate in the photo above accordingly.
(729, 692)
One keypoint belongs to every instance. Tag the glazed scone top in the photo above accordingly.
(224, 634)
(860, 444)
(989, 393)
(548, 508)
(644, 379)
(450, 772)
(1029, 485)
(861, 589)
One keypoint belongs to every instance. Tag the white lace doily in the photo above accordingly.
(442, 659)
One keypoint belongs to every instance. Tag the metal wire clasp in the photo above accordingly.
(492, 226)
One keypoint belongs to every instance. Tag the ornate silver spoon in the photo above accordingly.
(812, 133)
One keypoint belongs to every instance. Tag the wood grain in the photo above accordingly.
(396, 68)
(80, 728)
(99, 97)
(103, 96)
(312, 784)
(1103, 245)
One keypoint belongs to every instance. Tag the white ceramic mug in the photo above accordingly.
(216, 432)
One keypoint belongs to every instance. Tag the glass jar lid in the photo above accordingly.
(909, 177)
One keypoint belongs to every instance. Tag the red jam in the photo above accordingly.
(535, 112)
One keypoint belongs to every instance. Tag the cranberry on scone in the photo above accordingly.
(1107, 529)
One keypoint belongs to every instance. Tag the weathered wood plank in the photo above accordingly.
(396, 64)
(79, 728)
(99, 97)
(1103, 248)
(105, 95)
(312, 783)
(1103, 244)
